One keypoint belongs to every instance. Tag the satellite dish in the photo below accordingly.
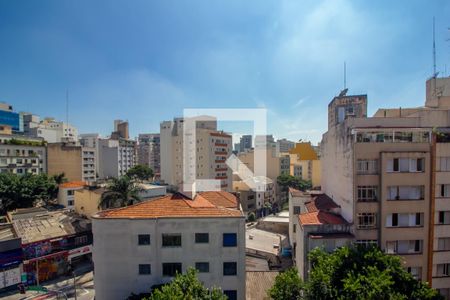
(343, 93)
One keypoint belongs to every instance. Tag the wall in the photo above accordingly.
(65, 159)
(87, 201)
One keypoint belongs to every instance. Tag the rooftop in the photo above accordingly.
(49, 226)
(337, 235)
(72, 184)
(204, 205)
(258, 283)
(321, 218)
(296, 193)
(263, 241)
(7, 232)
(320, 202)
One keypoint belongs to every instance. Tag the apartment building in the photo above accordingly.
(245, 143)
(254, 200)
(78, 163)
(20, 154)
(284, 145)
(203, 158)
(90, 140)
(66, 193)
(389, 175)
(116, 157)
(149, 151)
(146, 244)
(305, 163)
(49, 129)
(10, 118)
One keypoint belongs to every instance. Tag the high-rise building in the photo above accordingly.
(10, 118)
(116, 157)
(121, 130)
(149, 151)
(245, 143)
(51, 130)
(284, 145)
(204, 157)
(390, 174)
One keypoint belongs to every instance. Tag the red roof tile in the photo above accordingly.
(320, 202)
(204, 205)
(319, 218)
(296, 193)
(72, 184)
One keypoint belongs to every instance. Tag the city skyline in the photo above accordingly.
(121, 62)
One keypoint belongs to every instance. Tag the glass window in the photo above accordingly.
(367, 193)
(229, 268)
(202, 267)
(70, 192)
(367, 243)
(229, 240)
(367, 166)
(443, 270)
(202, 238)
(416, 272)
(367, 220)
(171, 240)
(404, 220)
(171, 269)
(144, 239)
(231, 294)
(444, 217)
(145, 269)
(443, 244)
(406, 192)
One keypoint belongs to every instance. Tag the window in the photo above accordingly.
(444, 190)
(444, 293)
(145, 269)
(171, 269)
(70, 202)
(70, 192)
(229, 240)
(367, 166)
(80, 240)
(444, 217)
(294, 228)
(443, 164)
(367, 193)
(404, 247)
(443, 244)
(404, 220)
(443, 270)
(406, 165)
(416, 272)
(144, 239)
(229, 268)
(202, 267)
(202, 238)
(231, 294)
(171, 240)
(296, 210)
(406, 192)
(367, 243)
(367, 220)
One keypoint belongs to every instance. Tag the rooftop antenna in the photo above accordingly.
(67, 106)
(345, 75)
(434, 50)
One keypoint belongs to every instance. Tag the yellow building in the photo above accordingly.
(305, 163)
(87, 200)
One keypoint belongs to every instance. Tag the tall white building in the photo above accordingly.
(149, 151)
(116, 157)
(211, 149)
(146, 244)
(51, 130)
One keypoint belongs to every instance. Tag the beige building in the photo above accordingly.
(389, 174)
(76, 162)
(87, 200)
(305, 163)
(146, 244)
(205, 158)
(66, 193)
(252, 199)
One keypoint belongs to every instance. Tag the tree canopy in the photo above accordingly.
(354, 273)
(22, 191)
(287, 286)
(186, 287)
(140, 172)
(294, 182)
(120, 192)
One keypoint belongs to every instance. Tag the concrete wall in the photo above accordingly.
(87, 201)
(65, 159)
(116, 253)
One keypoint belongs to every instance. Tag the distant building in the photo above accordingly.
(76, 162)
(116, 157)
(51, 241)
(254, 200)
(245, 143)
(49, 129)
(121, 130)
(66, 193)
(283, 145)
(149, 151)
(237, 147)
(206, 233)
(265, 141)
(10, 118)
(305, 163)
(211, 149)
(20, 154)
(91, 140)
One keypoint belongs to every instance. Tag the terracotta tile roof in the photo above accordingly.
(204, 205)
(320, 202)
(72, 184)
(296, 193)
(319, 218)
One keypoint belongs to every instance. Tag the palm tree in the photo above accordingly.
(120, 192)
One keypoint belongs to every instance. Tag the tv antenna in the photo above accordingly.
(67, 106)
(434, 50)
(345, 75)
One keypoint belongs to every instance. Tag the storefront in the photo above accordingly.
(48, 267)
(10, 268)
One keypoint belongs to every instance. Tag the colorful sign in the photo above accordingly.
(79, 251)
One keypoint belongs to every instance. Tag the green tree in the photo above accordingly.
(140, 172)
(251, 217)
(186, 287)
(362, 273)
(120, 192)
(287, 286)
(286, 181)
(59, 178)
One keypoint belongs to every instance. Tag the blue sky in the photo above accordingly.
(145, 61)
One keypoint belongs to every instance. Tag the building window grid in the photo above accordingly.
(367, 221)
(367, 166)
(367, 193)
(171, 240)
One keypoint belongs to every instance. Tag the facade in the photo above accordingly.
(283, 145)
(51, 241)
(245, 143)
(149, 151)
(66, 193)
(21, 155)
(10, 118)
(87, 200)
(90, 140)
(153, 240)
(211, 149)
(49, 129)
(389, 175)
(10, 257)
(305, 163)
(253, 200)
(315, 221)
(78, 163)
(116, 157)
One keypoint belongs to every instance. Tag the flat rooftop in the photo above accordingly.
(258, 283)
(264, 241)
